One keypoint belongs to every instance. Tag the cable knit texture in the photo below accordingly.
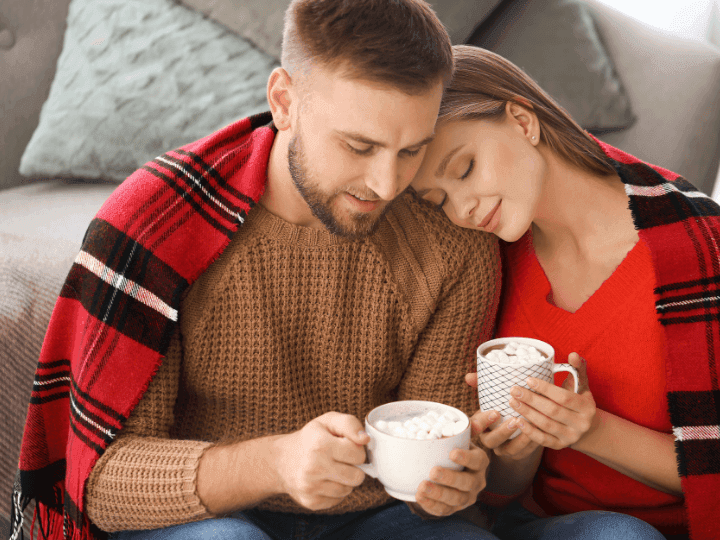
(330, 325)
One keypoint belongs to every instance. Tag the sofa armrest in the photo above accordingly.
(673, 85)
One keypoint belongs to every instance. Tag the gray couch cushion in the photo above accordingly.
(33, 33)
(137, 78)
(261, 21)
(674, 85)
(41, 229)
(556, 43)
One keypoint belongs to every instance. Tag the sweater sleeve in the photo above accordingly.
(461, 315)
(145, 480)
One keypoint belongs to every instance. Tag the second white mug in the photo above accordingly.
(495, 379)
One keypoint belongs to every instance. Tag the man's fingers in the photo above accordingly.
(344, 425)
(471, 379)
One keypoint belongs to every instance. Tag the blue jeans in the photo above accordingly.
(517, 523)
(391, 522)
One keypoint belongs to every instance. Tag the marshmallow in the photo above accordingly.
(429, 426)
(515, 353)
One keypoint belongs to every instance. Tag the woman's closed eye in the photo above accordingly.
(470, 168)
(440, 205)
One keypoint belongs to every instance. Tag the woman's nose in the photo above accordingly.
(467, 207)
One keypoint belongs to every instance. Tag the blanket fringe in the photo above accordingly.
(17, 507)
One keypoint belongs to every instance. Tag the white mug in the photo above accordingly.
(402, 464)
(495, 379)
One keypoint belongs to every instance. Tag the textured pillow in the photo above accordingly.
(557, 44)
(261, 21)
(137, 78)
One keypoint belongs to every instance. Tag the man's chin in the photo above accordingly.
(356, 225)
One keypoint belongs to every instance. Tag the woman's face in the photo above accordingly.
(486, 174)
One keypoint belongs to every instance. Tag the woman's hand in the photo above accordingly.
(496, 436)
(556, 416)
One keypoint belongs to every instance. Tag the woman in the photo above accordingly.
(616, 264)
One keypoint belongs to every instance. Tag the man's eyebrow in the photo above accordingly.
(364, 140)
(444, 163)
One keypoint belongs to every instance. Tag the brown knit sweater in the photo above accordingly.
(290, 323)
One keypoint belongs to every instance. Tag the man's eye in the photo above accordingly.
(360, 151)
(412, 153)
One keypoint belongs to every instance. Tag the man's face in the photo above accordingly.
(355, 146)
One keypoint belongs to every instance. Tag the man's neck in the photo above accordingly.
(281, 198)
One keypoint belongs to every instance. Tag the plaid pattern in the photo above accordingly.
(118, 308)
(681, 226)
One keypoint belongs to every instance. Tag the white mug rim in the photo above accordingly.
(527, 341)
(382, 434)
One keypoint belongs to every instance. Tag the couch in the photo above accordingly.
(87, 95)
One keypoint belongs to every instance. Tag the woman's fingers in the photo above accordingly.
(580, 365)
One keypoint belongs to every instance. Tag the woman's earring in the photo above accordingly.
(533, 137)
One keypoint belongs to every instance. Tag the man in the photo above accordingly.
(327, 301)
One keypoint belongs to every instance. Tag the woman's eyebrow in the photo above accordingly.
(444, 163)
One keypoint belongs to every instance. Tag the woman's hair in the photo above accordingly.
(400, 43)
(484, 82)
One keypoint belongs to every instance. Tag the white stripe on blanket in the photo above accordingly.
(659, 190)
(129, 287)
(696, 433)
(190, 175)
(688, 302)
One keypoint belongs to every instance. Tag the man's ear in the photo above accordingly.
(525, 118)
(280, 97)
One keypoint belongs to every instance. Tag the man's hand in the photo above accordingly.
(316, 465)
(449, 491)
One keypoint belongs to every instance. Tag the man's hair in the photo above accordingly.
(400, 43)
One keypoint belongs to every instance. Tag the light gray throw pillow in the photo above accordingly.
(137, 78)
(261, 21)
(557, 44)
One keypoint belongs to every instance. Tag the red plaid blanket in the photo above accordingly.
(681, 226)
(168, 221)
(118, 308)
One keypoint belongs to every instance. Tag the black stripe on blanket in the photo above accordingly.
(127, 315)
(124, 311)
(171, 181)
(698, 457)
(195, 181)
(694, 416)
(666, 208)
(81, 396)
(131, 259)
(694, 408)
(219, 179)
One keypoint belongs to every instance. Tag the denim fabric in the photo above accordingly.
(392, 522)
(517, 523)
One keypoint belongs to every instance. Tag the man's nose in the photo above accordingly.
(384, 180)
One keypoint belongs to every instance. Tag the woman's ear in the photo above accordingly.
(523, 116)
(280, 97)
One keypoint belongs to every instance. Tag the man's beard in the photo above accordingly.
(360, 224)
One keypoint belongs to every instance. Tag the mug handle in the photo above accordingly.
(368, 468)
(569, 369)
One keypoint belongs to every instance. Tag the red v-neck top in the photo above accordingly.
(617, 332)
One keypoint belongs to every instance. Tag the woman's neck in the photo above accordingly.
(582, 213)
